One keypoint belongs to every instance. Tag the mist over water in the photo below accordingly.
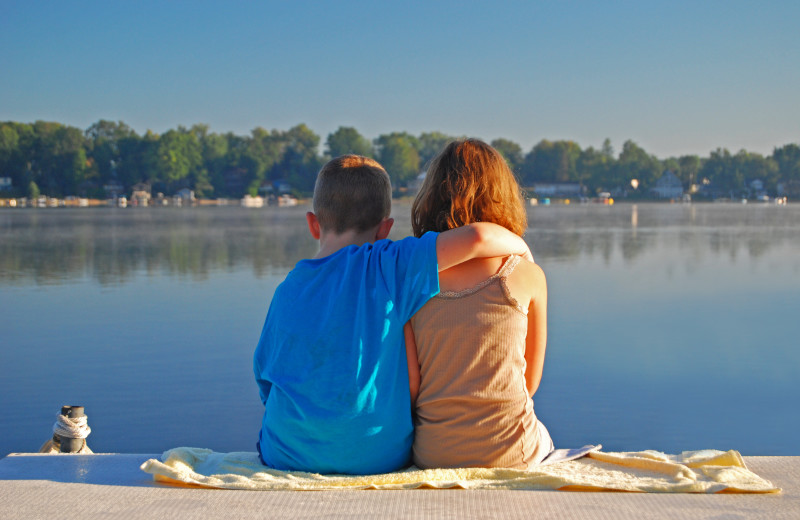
(671, 327)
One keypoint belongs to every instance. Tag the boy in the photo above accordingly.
(331, 363)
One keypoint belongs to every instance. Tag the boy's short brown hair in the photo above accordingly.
(352, 193)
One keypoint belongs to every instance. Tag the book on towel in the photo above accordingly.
(566, 454)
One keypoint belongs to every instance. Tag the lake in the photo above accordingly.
(671, 327)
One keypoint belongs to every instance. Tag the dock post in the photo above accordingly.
(69, 445)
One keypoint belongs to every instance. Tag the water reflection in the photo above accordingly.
(670, 327)
(111, 246)
(566, 234)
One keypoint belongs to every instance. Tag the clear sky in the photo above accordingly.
(677, 77)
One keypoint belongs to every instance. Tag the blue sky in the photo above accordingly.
(678, 77)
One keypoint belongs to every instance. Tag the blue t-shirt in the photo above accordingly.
(331, 362)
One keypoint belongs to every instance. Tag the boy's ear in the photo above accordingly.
(383, 228)
(313, 225)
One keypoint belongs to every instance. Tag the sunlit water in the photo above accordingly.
(671, 327)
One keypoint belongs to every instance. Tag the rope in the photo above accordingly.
(71, 427)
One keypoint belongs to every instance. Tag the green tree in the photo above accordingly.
(688, 168)
(787, 159)
(724, 174)
(178, 160)
(347, 140)
(58, 158)
(33, 191)
(199, 177)
(608, 150)
(16, 153)
(215, 151)
(429, 144)
(551, 161)
(104, 150)
(108, 131)
(397, 152)
(512, 152)
(238, 167)
(299, 161)
(139, 160)
(265, 150)
(756, 167)
(593, 167)
(635, 163)
(9, 151)
(9, 143)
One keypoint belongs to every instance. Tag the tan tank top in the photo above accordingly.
(473, 408)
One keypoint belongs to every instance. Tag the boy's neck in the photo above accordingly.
(330, 242)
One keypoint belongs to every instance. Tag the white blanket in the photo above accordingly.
(706, 471)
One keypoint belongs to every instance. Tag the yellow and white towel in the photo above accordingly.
(706, 471)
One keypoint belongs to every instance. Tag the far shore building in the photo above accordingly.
(757, 189)
(559, 190)
(668, 186)
(5, 184)
(416, 183)
(141, 194)
(113, 189)
(275, 188)
(248, 201)
(789, 189)
(185, 197)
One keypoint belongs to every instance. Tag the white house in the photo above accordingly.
(558, 189)
(140, 195)
(113, 189)
(668, 186)
(416, 183)
(248, 201)
(186, 195)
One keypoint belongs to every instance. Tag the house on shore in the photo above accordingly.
(789, 189)
(668, 186)
(184, 197)
(113, 189)
(559, 190)
(140, 195)
(248, 201)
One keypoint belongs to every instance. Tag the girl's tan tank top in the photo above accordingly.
(473, 408)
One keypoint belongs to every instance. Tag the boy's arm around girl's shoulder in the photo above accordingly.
(478, 240)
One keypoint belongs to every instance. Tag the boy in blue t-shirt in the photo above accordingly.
(331, 362)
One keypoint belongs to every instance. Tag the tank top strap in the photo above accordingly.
(503, 274)
(505, 270)
(508, 267)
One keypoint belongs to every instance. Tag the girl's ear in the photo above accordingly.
(313, 225)
(383, 228)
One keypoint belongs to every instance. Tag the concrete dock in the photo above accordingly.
(112, 486)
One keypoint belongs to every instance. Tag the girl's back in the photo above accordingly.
(474, 407)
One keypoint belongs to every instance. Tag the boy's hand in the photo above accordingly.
(528, 255)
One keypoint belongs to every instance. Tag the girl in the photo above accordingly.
(477, 349)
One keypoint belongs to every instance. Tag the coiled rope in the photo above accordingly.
(71, 427)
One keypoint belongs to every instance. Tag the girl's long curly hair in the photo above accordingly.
(469, 181)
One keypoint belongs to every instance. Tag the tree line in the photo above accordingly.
(53, 159)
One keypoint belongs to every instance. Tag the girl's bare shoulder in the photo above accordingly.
(528, 274)
(469, 274)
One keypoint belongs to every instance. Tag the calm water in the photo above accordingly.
(672, 327)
